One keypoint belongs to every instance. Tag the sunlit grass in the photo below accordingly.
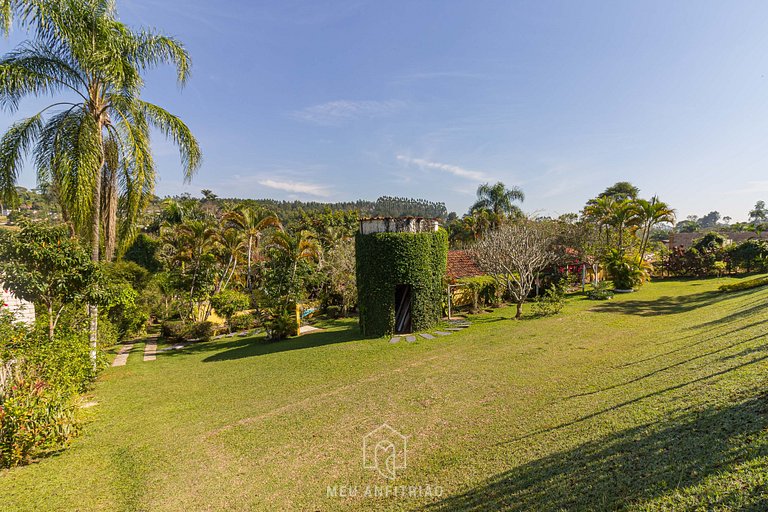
(650, 401)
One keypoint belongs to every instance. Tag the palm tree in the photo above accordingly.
(498, 199)
(301, 247)
(600, 211)
(650, 213)
(92, 144)
(623, 214)
(254, 223)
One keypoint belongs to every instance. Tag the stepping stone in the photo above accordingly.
(410, 339)
(122, 355)
(395, 339)
(150, 350)
(426, 335)
(453, 329)
(443, 333)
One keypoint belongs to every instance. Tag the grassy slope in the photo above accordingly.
(652, 401)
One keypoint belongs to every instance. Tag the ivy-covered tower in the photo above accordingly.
(401, 266)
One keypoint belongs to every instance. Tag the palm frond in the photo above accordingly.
(14, 145)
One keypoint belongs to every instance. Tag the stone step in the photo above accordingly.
(122, 355)
(443, 333)
(395, 339)
(426, 335)
(410, 339)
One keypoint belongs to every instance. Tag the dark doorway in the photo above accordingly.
(403, 309)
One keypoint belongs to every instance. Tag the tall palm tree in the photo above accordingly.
(622, 215)
(92, 143)
(254, 223)
(650, 213)
(600, 211)
(498, 199)
(303, 246)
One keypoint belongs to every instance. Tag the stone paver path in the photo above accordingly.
(410, 339)
(395, 339)
(122, 356)
(426, 335)
(150, 349)
(443, 333)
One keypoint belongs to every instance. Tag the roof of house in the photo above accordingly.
(461, 264)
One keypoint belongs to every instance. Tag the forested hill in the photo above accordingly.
(384, 206)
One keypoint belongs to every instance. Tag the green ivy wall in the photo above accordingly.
(385, 260)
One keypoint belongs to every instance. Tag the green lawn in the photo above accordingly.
(652, 401)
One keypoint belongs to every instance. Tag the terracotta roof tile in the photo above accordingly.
(461, 264)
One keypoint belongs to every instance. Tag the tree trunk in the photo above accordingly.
(93, 309)
(50, 322)
(519, 313)
(109, 212)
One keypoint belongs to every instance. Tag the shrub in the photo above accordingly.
(201, 331)
(173, 330)
(228, 302)
(33, 417)
(550, 302)
(600, 291)
(242, 322)
(745, 285)
(334, 311)
(179, 331)
(626, 271)
(279, 325)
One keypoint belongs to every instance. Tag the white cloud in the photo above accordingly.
(451, 169)
(336, 112)
(297, 187)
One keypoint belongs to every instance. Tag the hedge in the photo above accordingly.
(745, 285)
(385, 260)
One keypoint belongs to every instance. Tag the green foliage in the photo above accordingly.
(627, 271)
(228, 302)
(484, 291)
(600, 291)
(749, 255)
(552, 301)
(33, 418)
(177, 330)
(745, 285)
(39, 381)
(385, 260)
(44, 265)
(278, 323)
(144, 251)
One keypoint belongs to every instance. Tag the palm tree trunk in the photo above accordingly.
(93, 309)
(109, 213)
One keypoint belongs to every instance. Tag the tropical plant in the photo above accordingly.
(498, 199)
(627, 271)
(649, 214)
(94, 140)
(254, 223)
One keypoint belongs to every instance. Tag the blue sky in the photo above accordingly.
(340, 100)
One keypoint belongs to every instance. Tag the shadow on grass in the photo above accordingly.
(667, 305)
(252, 346)
(634, 466)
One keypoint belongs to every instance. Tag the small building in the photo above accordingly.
(685, 240)
(401, 263)
(22, 310)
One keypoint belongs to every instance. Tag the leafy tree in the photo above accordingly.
(621, 191)
(710, 220)
(229, 302)
(43, 265)
(759, 214)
